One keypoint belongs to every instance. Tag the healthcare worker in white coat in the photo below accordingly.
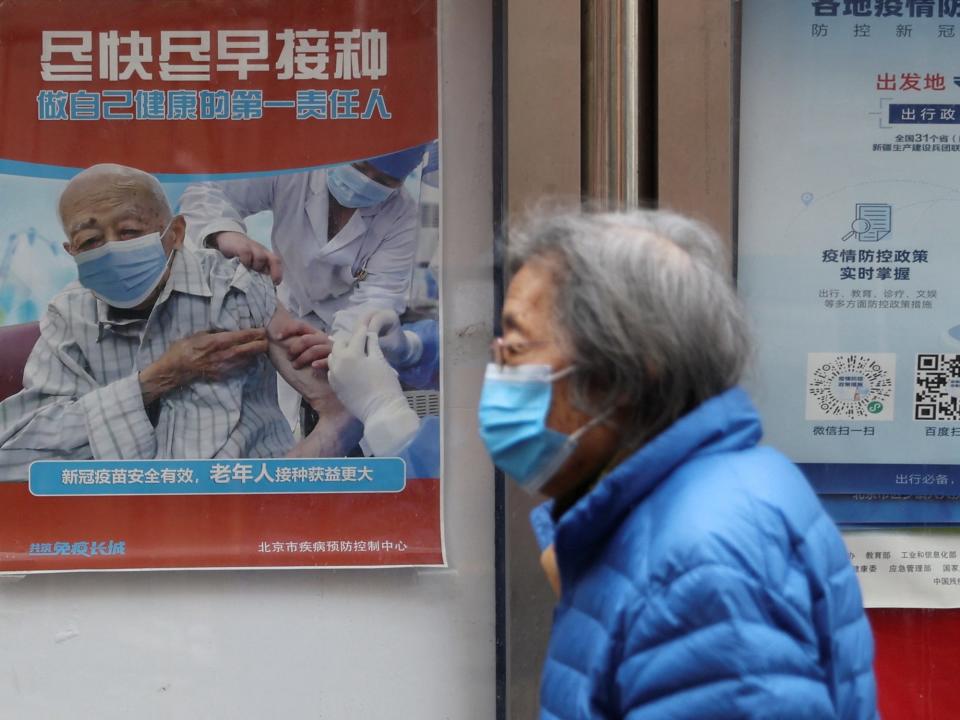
(344, 238)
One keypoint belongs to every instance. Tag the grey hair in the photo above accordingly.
(646, 305)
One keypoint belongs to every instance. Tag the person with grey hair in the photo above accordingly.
(698, 575)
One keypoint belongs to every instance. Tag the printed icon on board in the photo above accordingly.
(871, 222)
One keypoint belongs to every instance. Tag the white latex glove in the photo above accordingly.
(368, 387)
(401, 347)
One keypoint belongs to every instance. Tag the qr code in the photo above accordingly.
(937, 388)
(850, 386)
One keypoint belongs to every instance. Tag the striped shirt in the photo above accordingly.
(82, 398)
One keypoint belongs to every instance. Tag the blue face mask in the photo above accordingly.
(514, 404)
(353, 189)
(123, 273)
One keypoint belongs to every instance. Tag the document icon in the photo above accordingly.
(872, 222)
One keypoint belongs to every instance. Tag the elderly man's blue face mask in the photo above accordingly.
(514, 405)
(124, 273)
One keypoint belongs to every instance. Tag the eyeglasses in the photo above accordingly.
(502, 351)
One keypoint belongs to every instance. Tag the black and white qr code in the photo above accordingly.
(937, 388)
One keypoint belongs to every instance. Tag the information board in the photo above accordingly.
(848, 217)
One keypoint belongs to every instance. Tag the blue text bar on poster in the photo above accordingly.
(898, 479)
(217, 477)
(924, 114)
(887, 510)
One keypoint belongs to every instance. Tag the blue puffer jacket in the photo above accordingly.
(702, 579)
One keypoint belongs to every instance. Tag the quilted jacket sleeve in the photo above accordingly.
(713, 643)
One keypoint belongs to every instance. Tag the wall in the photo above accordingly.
(323, 644)
(696, 110)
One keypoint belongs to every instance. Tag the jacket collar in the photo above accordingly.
(724, 423)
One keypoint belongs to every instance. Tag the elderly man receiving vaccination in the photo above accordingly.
(698, 575)
(157, 351)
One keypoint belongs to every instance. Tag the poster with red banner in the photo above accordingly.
(219, 302)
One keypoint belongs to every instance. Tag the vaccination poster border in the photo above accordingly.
(239, 92)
